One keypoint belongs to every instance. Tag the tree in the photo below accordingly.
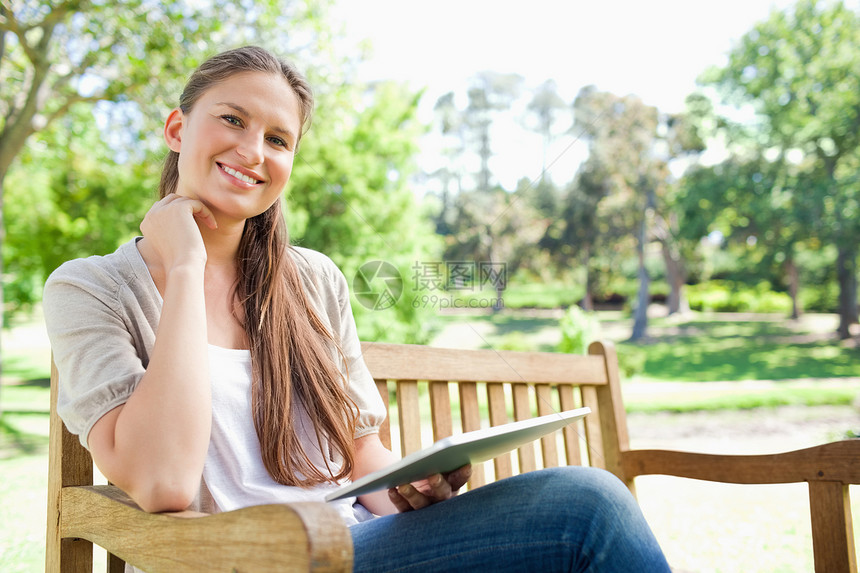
(800, 72)
(545, 106)
(758, 206)
(451, 125)
(67, 197)
(350, 197)
(489, 93)
(495, 229)
(684, 137)
(623, 139)
(576, 233)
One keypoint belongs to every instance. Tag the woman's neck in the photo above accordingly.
(222, 244)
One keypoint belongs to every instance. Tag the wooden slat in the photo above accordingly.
(470, 418)
(115, 564)
(613, 419)
(572, 451)
(592, 427)
(549, 448)
(498, 416)
(440, 410)
(409, 416)
(385, 428)
(523, 411)
(832, 529)
(281, 537)
(837, 461)
(415, 362)
(69, 464)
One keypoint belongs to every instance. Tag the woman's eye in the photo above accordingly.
(232, 119)
(278, 141)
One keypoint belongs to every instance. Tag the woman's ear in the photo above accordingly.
(173, 129)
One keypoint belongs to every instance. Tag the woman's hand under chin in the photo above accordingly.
(170, 228)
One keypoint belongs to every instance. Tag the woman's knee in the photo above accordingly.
(585, 483)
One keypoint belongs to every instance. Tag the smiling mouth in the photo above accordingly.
(238, 175)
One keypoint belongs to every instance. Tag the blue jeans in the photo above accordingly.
(561, 519)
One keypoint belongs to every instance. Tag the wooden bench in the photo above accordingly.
(491, 388)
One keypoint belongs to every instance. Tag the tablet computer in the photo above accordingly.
(453, 452)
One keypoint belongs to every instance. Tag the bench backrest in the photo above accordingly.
(496, 387)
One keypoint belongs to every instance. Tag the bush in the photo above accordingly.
(730, 296)
(820, 298)
(631, 360)
(517, 341)
(578, 330)
(533, 294)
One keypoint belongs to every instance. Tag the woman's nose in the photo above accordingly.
(250, 148)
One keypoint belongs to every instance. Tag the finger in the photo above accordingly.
(440, 489)
(202, 213)
(398, 500)
(458, 478)
(416, 499)
(198, 210)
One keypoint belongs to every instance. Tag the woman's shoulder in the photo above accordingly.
(322, 278)
(315, 263)
(122, 267)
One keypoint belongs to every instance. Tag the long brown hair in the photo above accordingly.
(292, 353)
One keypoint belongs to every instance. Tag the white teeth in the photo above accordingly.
(239, 176)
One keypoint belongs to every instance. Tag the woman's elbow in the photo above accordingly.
(165, 495)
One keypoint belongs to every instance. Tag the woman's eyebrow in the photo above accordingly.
(279, 130)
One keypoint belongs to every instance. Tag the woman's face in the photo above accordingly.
(236, 145)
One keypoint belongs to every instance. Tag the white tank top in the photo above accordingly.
(234, 472)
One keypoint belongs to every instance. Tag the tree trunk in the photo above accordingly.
(498, 303)
(846, 272)
(588, 299)
(676, 276)
(2, 300)
(793, 277)
(640, 316)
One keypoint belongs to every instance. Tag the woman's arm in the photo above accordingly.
(155, 444)
(371, 455)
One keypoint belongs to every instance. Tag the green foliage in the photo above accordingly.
(820, 298)
(494, 226)
(799, 71)
(67, 198)
(578, 329)
(350, 198)
(632, 361)
(728, 296)
(517, 341)
(522, 292)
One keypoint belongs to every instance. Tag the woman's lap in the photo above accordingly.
(562, 519)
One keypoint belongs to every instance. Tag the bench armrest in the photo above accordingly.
(280, 537)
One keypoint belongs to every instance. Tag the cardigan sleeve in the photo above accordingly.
(98, 344)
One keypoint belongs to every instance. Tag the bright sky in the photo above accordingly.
(652, 48)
